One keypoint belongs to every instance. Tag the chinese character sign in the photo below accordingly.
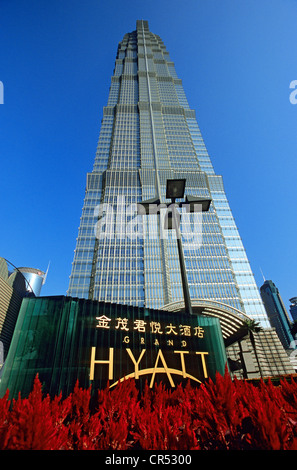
(159, 346)
(102, 344)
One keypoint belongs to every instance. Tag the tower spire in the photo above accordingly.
(262, 275)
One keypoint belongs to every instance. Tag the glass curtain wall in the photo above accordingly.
(150, 134)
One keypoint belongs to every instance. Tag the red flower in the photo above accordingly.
(221, 414)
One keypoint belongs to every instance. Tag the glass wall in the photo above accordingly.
(149, 134)
(64, 340)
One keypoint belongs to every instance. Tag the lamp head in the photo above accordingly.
(175, 189)
(205, 202)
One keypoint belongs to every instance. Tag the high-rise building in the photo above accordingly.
(277, 313)
(149, 134)
(15, 284)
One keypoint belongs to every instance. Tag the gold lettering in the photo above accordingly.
(183, 344)
(203, 362)
(156, 327)
(126, 339)
(199, 331)
(185, 330)
(139, 325)
(103, 322)
(182, 359)
(141, 340)
(161, 369)
(170, 342)
(109, 362)
(134, 361)
(123, 323)
(171, 329)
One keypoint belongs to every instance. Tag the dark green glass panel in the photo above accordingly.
(63, 340)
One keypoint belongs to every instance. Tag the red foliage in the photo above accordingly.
(224, 414)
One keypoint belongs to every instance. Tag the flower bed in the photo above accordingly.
(225, 414)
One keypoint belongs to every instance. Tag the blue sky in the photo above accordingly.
(236, 59)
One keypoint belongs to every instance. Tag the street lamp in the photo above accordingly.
(192, 200)
(175, 189)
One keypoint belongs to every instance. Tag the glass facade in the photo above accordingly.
(149, 134)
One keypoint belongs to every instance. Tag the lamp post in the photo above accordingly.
(175, 189)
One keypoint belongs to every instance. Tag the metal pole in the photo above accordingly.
(187, 298)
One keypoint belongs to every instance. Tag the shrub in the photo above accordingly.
(220, 414)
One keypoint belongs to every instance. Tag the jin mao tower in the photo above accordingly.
(149, 134)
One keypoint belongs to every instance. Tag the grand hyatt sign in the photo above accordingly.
(65, 339)
(160, 359)
(169, 348)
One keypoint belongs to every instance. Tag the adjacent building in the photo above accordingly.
(15, 284)
(277, 313)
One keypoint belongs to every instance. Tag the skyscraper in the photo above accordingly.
(293, 308)
(277, 313)
(149, 134)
